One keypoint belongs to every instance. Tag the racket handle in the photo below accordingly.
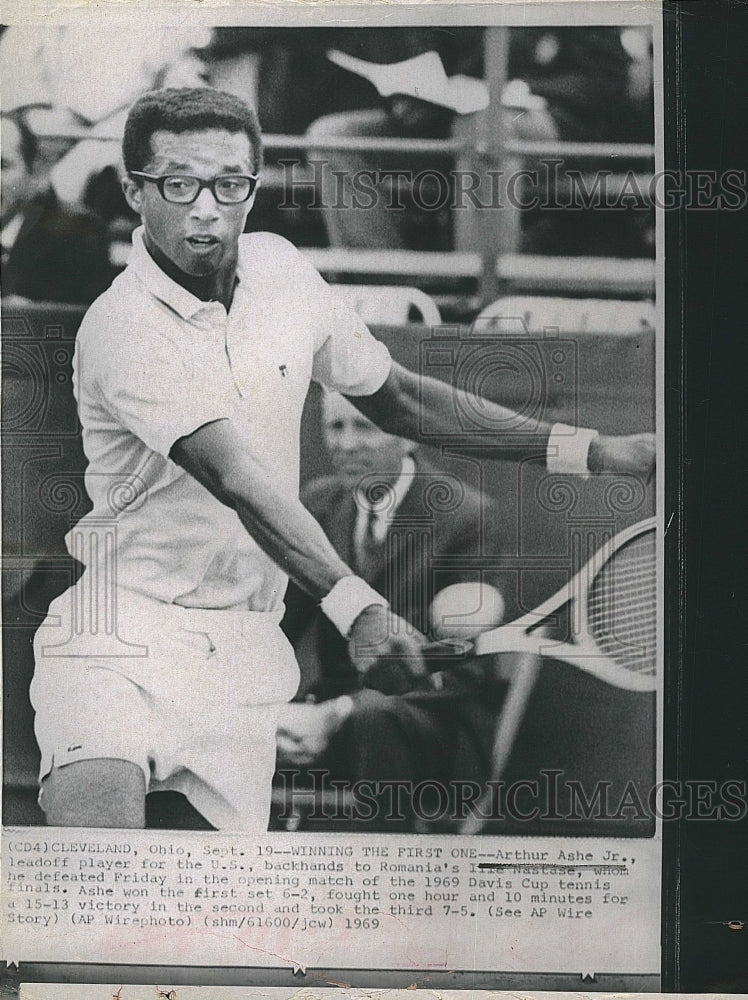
(447, 654)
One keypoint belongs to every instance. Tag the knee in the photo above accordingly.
(95, 793)
(534, 124)
(371, 121)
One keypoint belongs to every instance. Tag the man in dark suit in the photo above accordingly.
(410, 531)
(50, 253)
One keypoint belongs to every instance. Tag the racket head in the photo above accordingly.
(616, 639)
(619, 603)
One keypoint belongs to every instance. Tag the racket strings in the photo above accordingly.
(622, 606)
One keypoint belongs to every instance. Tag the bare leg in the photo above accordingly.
(95, 793)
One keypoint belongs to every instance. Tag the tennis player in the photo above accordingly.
(164, 666)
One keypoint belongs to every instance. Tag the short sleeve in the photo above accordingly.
(347, 357)
(151, 392)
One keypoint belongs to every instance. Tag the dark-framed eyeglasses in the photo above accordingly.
(183, 189)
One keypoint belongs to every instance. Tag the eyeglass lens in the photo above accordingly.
(227, 189)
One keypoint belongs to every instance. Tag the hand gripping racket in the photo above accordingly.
(612, 615)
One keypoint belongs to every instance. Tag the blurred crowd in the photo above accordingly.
(66, 91)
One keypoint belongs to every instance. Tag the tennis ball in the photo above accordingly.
(464, 610)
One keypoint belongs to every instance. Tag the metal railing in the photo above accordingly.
(486, 242)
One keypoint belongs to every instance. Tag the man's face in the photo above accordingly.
(357, 447)
(201, 238)
(19, 183)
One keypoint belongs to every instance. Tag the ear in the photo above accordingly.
(250, 203)
(247, 206)
(133, 193)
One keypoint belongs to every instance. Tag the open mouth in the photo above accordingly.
(203, 242)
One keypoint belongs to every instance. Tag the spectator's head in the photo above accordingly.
(357, 447)
(187, 109)
(20, 177)
(192, 157)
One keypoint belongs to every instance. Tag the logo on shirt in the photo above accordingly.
(283, 370)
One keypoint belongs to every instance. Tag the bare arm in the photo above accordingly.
(408, 402)
(216, 456)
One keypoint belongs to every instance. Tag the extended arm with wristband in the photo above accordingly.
(407, 403)
(218, 458)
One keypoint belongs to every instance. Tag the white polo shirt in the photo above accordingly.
(153, 363)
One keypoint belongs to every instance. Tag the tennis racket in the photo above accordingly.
(612, 615)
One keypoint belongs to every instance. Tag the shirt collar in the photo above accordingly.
(164, 288)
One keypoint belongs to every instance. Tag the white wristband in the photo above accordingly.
(347, 600)
(568, 448)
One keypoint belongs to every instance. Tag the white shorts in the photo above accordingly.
(189, 695)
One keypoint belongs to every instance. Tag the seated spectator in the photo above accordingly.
(53, 68)
(50, 252)
(437, 734)
(568, 84)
